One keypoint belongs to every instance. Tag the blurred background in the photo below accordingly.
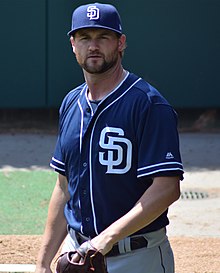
(173, 44)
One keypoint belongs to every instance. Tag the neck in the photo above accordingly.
(100, 85)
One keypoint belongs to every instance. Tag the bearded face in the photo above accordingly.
(96, 50)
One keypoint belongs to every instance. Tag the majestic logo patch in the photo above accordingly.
(93, 13)
(169, 155)
(118, 153)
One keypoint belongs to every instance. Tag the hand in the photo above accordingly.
(102, 244)
(98, 243)
(78, 257)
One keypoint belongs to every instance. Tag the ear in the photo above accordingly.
(122, 42)
(72, 43)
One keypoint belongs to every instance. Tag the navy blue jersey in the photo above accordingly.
(111, 155)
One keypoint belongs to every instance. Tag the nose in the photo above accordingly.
(93, 44)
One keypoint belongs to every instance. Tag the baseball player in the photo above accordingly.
(117, 157)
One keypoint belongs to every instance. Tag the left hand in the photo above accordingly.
(98, 243)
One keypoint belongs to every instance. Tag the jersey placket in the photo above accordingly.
(84, 177)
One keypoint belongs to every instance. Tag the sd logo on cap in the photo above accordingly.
(96, 16)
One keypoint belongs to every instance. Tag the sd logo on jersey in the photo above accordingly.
(115, 153)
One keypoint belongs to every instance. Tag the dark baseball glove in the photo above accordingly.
(93, 262)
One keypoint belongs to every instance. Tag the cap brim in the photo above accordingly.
(72, 32)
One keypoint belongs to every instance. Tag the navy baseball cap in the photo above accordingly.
(96, 15)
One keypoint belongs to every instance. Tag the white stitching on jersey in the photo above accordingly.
(58, 161)
(157, 171)
(159, 164)
(87, 99)
(81, 127)
(56, 168)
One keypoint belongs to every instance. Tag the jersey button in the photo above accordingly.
(84, 192)
(88, 110)
(84, 164)
(87, 219)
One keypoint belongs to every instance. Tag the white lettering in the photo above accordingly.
(93, 13)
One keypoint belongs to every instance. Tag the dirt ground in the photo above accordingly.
(192, 255)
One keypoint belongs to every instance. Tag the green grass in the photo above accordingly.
(24, 199)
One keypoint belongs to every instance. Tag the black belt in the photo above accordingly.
(135, 243)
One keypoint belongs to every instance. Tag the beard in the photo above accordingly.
(101, 65)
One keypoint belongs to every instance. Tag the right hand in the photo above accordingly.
(80, 254)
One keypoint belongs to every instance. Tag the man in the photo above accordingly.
(117, 157)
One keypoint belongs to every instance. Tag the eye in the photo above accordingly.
(83, 38)
(104, 37)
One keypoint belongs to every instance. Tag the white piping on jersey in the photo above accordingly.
(83, 89)
(114, 90)
(56, 168)
(81, 130)
(90, 106)
(159, 164)
(157, 171)
(81, 127)
(81, 227)
(58, 161)
(90, 148)
(82, 115)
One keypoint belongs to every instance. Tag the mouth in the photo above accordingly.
(94, 57)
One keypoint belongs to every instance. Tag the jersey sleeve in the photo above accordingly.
(57, 162)
(159, 143)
